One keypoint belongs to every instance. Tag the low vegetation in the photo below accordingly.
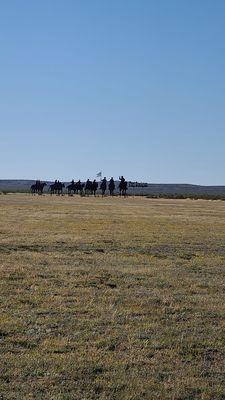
(187, 196)
(111, 298)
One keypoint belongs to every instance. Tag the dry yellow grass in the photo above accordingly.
(111, 298)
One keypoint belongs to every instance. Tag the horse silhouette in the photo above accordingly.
(123, 186)
(88, 187)
(79, 187)
(71, 188)
(33, 189)
(41, 187)
(111, 187)
(103, 186)
(94, 187)
(57, 188)
(38, 187)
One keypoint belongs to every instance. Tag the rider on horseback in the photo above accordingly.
(111, 186)
(37, 184)
(123, 186)
(94, 186)
(103, 186)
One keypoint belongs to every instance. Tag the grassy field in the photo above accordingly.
(111, 298)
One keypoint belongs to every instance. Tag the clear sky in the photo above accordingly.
(132, 87)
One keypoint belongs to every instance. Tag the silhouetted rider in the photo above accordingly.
(122, 179)
(111, 186)
(103, 186)
(94, 186)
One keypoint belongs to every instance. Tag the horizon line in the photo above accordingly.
(138, 181)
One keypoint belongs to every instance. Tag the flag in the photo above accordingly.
(99, 174)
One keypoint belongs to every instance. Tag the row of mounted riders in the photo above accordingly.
(90, 187)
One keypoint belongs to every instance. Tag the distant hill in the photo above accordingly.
(21, 185)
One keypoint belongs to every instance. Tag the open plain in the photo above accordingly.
(111, 298)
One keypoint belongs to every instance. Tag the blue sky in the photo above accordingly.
(132, 87)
